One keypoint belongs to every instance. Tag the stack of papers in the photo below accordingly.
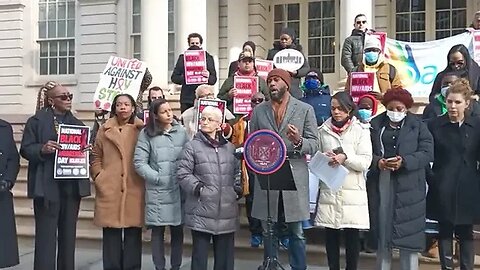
(333, 177)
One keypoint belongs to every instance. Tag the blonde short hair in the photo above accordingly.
(204, 87)
(214, 111)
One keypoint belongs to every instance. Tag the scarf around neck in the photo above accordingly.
(279, 109)
(340, 127)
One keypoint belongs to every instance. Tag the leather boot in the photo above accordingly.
(467, 255)
(445, 252)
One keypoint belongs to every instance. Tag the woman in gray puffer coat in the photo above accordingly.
(159, 144)
(209, 174)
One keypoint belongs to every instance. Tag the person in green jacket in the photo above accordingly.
(246, 67)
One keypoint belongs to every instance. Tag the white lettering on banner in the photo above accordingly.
(72, 131)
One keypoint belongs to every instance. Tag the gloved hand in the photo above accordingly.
(5, 185)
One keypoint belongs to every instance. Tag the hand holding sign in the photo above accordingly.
(205, 73)
(50, 147)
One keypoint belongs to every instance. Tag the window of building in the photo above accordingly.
(321, 35)
(171, 35)
(286, 15)
(414, 19)
(451, 17)
(136, 29)
(317, 20)
(56, 37)
(410, 20)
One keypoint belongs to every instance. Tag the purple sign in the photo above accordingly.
(264, 151)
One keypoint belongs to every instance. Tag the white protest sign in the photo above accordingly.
(120, 76)
(289, 60)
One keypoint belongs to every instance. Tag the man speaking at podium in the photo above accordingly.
(295, 122)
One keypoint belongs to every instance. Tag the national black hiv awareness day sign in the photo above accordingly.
(71, 162)
(121, 76)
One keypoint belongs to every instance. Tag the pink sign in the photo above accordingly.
(476, 46)
(246, 88)
(195, 62)
(361, 83)
(263, 67)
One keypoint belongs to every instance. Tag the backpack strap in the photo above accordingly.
(392, 72)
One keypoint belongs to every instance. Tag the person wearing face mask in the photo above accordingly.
(56, 203)
(317, 94)
(453, 195)
(288, 40)
(120, 191)
(187, 94)
(346, 142)
(396, 183)
(386, 75)
(246, 67)
(459, 60)
(367, 108)
(352, 50)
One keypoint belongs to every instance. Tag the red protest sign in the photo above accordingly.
(361, 83)
(195, 62)
(263, 67)
(246, 87)
(71, 162)
(203, 103)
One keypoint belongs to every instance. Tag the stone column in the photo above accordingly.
(154, 25)
(237, 26)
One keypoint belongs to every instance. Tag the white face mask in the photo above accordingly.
(396, 117)
(444, 90)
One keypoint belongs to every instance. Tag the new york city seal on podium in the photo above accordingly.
(264, 152)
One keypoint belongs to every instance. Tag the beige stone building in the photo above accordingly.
(71, 40)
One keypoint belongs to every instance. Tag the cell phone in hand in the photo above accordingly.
(391, 159)
(338, 150)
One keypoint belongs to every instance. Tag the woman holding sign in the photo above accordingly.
(345, 141)
(55, 202)
(119, 198)
(158, 147)
(402, 149)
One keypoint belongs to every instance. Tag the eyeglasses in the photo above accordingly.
(257, 100)
(65, 97)
(456, 64)
(361, 22)
(209, 119)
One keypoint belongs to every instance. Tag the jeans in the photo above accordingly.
(297, 243)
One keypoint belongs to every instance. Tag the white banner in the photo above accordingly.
(418, 63)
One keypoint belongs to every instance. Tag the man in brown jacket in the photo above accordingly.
(386, 75)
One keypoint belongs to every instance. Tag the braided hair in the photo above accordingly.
(147, 80)
(42, 97)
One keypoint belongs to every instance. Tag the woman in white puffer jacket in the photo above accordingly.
(347, 142)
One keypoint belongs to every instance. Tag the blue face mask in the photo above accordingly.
(365, 115)
(371, 57)
(312, 84)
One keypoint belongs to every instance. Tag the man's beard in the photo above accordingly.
(278, 95)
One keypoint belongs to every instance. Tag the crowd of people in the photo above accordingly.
(172, 172)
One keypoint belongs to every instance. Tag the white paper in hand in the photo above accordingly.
(333, 177)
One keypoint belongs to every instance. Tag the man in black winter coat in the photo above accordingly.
(187, 94)
(288, 41)
(352, 51)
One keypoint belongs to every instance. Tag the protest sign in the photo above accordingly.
(361, 83)
(246, 87)
(120, 76)
(263, 67)
(476, 45)
(289, 60)
(195, 62)
(146, 116)
(418, 63)
(71, 162)
(202, 103)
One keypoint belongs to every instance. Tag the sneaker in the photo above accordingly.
(284, 241)
(306, 224)
(256, 241)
